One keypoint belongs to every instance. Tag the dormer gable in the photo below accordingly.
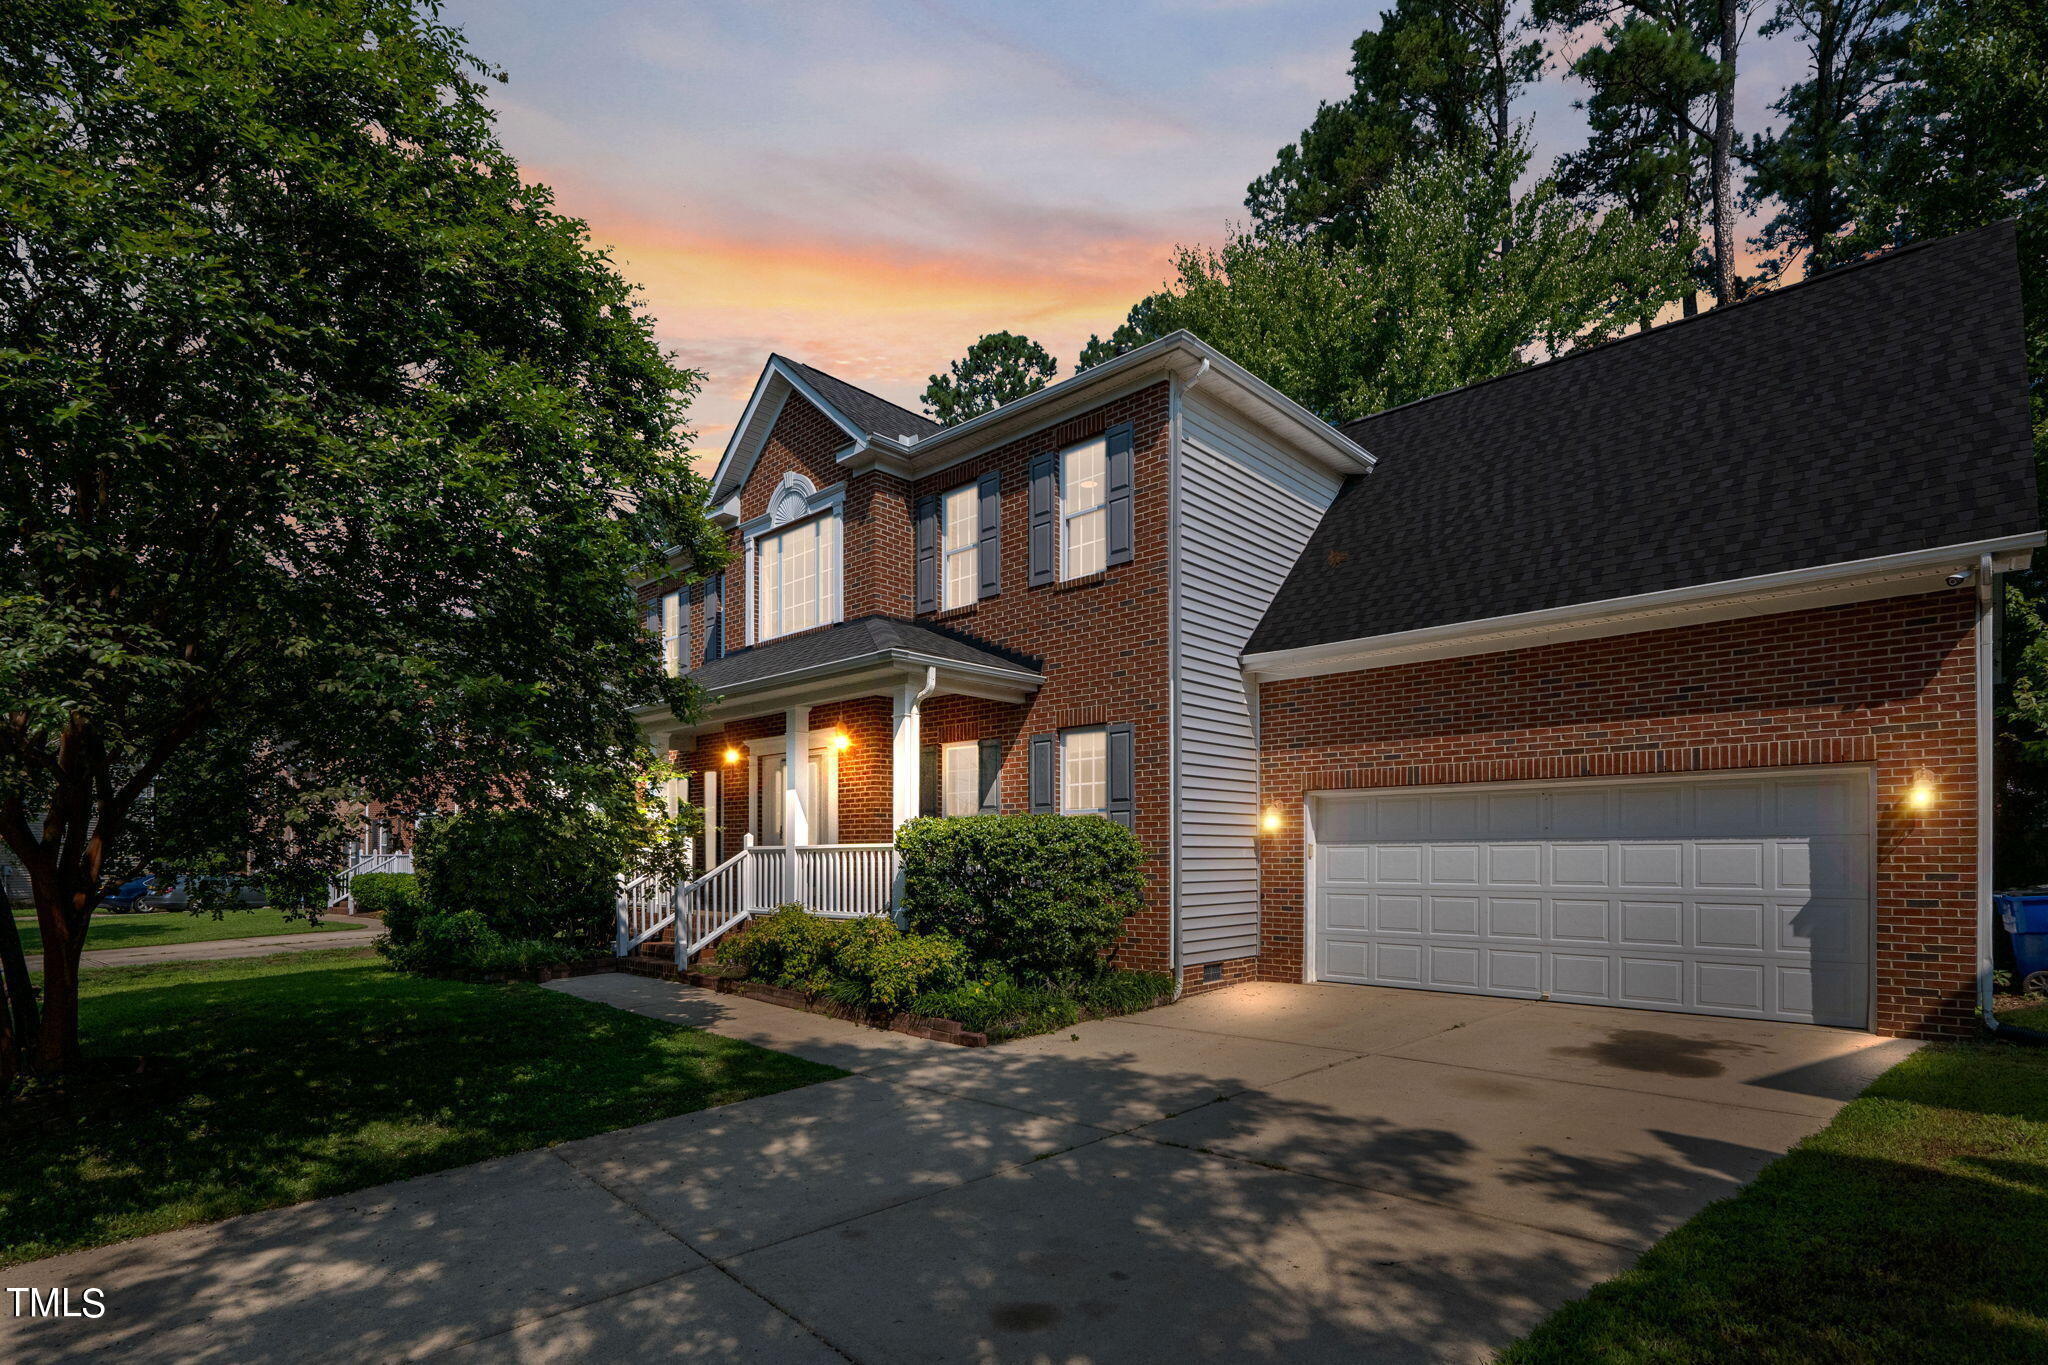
(861, 415)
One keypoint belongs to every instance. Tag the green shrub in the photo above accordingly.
(464, 943)
(531, 873)
(376, 893)
(866, 963)
(1042, 897)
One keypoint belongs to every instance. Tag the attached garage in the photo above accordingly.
(1748, 895)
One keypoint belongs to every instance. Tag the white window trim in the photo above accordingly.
(1060, 775)
(1062, 517)
(675, 631)
(973, 546)
(795, 499)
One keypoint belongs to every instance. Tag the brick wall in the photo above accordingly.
(1887, 684)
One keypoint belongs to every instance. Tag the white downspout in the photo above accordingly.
(1986, 670)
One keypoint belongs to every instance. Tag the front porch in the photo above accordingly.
(813, 751)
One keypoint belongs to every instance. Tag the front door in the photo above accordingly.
(821, 772)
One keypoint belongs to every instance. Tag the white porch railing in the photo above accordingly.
(364, 865)
(839, 880)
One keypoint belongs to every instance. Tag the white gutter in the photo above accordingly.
(1338, 656)
(1987, 604)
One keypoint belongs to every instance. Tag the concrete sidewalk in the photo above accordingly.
(1296, 1173)
(346, 935)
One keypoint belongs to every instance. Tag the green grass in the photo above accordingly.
(154, 928)
(2033, 1014)
(1913, 1228)
(273, 1080)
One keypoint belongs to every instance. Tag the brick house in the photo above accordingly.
(1653, 676)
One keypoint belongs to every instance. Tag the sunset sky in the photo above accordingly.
(870, 186)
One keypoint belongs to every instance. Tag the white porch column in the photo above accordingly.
(905, 741)
(796, 820)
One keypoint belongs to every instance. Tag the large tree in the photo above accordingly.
(1661, 115)
(1457, 276)
(332, 447)
(1809, 167)
(1434, 74)
(1000, 368)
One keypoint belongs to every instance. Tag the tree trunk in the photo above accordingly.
(56, 1040)
(1721, 169)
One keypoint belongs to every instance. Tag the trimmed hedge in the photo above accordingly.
(1041, 897)
(463, 943)
(868, 964)
(377, 893)
(1001, 1008)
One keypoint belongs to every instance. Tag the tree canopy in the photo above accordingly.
(333, 450)
(1455, 277)
(1000, 368)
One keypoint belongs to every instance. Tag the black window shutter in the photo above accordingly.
(1044, 753)
(927, 554)
(714, 617)
(1044, 470)
(991, 777)
(1119, 495)
(928, 782)
(989, 534)
(1122, 776)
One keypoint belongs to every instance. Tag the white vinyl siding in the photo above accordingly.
(960, 547)
(1084, 772)
(960, 779)
(799, 577)
(1084, 518)
(1245, 510)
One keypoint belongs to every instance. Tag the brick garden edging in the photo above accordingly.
(916, 1025)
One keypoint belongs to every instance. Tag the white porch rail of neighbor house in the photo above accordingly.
(838, 880)
(364, 866)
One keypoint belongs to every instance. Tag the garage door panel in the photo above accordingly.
(1514, 917)
(1748, 898)
(1653, 924)
(1728, 926)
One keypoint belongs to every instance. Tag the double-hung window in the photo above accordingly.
(799, 576)
(960, 778)
(1084, 772)
(675, 631)
(960, 547)
(1084, 518)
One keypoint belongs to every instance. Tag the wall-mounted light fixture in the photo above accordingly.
(1271, 821)
(841, 741)
(1923, 793)
(732, 753)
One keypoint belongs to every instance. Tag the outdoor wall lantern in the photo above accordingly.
(841, 741)
(732, 753)
(1271, 821)
(1921, 795)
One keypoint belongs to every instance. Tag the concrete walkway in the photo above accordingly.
(1268, 1173)
(347, 934)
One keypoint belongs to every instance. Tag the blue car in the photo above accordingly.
(127, 894)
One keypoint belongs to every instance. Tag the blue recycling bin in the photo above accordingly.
(2025, 915)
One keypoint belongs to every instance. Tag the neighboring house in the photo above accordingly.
(1651, 676)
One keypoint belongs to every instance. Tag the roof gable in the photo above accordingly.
(1871, 411)
(855, 411)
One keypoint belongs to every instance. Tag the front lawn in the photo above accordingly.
(154, 928)
(1913, 1228)
(273, 1080)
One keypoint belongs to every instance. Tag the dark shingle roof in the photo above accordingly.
(866, 639)
(865, 410)
(1873, 410)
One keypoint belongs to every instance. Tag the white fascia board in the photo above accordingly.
(1178, 352)
(1822, 585)
(745, 447)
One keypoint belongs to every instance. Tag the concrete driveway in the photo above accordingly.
(1283, 1173)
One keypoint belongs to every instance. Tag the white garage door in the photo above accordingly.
(1745, 896)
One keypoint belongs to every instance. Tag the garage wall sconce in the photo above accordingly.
(1271, 821)
(1923, 793)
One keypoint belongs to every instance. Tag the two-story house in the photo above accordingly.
(1656, 675)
